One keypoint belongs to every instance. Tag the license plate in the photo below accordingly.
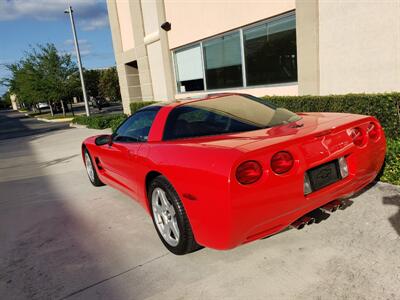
(324, 175)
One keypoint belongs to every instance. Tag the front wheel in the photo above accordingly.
(169, 217)
(91, 170)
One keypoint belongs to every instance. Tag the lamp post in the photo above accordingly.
(78, 57)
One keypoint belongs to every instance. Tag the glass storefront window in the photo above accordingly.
(189, 69)
(270, 52)
(223, 63)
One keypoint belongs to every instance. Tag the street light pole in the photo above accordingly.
(78, 57)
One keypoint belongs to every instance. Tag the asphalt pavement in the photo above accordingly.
(14, 124)
(62, 238)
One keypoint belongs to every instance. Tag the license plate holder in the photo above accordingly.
(324, 175)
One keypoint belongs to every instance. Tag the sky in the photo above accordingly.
(26, 23)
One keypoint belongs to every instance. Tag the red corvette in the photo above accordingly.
(228, 169)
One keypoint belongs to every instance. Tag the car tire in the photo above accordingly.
(91, 170)
(169, 217)
(380, 173)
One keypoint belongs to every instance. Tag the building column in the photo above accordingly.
(141, 50)
(165, 52)
(307, 36)
(118, 51)
(145, 71)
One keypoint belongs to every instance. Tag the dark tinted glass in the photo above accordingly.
(270, 52)
(226, 114)
(137, 127)
(223, 63)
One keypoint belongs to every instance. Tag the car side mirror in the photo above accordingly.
(103, 140)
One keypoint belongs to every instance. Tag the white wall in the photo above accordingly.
(355, 49)
(193, 20)
(359, 46)
(125, 24)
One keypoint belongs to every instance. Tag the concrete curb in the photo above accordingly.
(50, 120)
(55, 120)
(104, 131)
(77, 125)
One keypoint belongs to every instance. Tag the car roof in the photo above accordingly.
(197, 98)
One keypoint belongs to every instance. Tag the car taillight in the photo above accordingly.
(373, 131)
(248, 172)
(282, 162)
(358, 136)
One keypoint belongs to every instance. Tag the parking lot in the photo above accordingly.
(62, 238)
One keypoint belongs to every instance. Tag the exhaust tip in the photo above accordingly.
(301, 226)
(332, 206)
(298, 224)
(311, 221)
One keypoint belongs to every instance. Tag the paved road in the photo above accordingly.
(79, 108)
(61, 238)
(15, 124)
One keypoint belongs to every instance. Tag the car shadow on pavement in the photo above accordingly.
(46, 249)
(395, 219)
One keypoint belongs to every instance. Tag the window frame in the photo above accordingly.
(243, 62)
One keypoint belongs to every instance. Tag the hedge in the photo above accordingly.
(100, 122)
(391, 173)
(109, 121)
(385, 107)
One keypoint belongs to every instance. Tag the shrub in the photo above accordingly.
(109, 121)
(100, 122)
(135, 106)
(391, 173)
(385, 107)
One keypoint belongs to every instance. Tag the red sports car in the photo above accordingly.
(228, 169)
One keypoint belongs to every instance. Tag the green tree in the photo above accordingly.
(109, 85)
(92, 79)
(43, 74)
(5, 100)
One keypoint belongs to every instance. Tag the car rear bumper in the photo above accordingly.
(342, 189)
(269, 207)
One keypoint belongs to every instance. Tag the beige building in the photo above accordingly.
(261, 47)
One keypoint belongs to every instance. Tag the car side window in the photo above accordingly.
(137, 127)
(187, 121)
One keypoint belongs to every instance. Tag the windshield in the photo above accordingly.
(226, 114)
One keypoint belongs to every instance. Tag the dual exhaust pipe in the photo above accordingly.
(308, 220)
(302, 222)
(332, 206)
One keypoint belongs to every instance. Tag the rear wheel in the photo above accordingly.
(91, 170)
(169, 217)
(380, 173)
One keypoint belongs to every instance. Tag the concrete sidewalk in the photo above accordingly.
(62, 238)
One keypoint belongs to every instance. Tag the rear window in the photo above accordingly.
(222, 115)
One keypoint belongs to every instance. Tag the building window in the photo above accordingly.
(270, 52)
(268, 57)
(223, 64)
(189, 69)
